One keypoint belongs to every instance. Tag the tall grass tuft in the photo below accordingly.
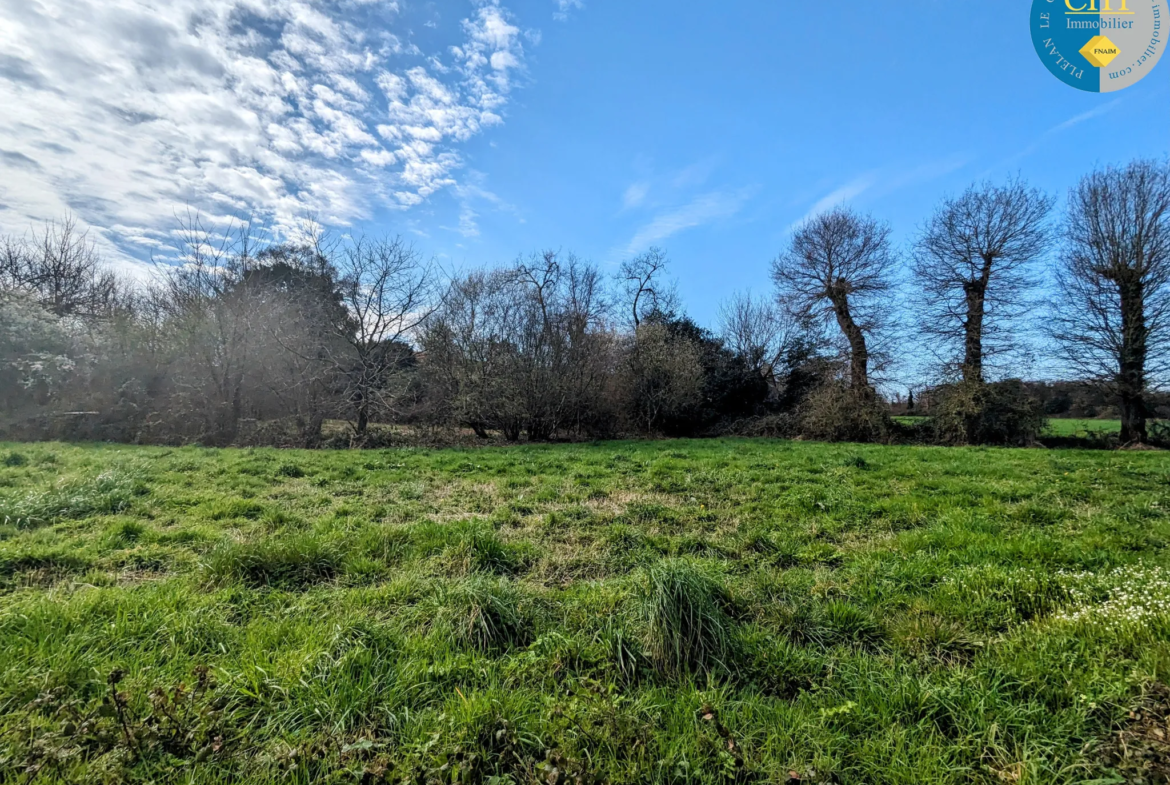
(109, 492)
(685, 628)
(484, 613)
(291, 562)
(469, 546)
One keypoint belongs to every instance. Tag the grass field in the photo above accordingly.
(715, 611)
(1081, 428)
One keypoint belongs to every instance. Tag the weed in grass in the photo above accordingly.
(470, 546)
(290, 470)
(681, 612)
(14, 459)
(125, 533)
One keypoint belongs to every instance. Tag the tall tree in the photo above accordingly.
(1112, 317)
(389, 291)
(837, 268)
(972, 268)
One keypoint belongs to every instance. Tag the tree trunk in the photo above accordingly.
(363, 417)
(1131, 376)
(973, 328)
(858, 352)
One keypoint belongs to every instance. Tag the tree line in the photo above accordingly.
(251, 342)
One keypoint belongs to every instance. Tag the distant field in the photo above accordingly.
(664, 612)
(1056, 426)
(1072, 427)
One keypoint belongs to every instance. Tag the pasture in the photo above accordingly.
(627, 612)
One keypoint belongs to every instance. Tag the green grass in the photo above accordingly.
(1081, 428)
(664, 612)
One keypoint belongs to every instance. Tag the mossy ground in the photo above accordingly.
(725, 610)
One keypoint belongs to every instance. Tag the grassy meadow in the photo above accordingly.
(662, 612)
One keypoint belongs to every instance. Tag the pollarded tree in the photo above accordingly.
(838, 268)
(1112, 316)
(972, 269)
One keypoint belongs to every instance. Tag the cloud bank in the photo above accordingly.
(127, 111)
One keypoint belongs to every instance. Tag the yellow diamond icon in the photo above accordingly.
(1100, 51)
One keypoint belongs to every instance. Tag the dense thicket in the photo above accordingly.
(267, 343)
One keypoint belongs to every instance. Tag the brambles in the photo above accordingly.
(975, 412)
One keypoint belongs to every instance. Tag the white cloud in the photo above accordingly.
(127, 111)
(635, 194)
(1089, 115)
(700, 211)
(565, 6)
(840, 196)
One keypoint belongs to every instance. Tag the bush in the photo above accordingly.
(685, 628)
(836, 413)
(1000, 413)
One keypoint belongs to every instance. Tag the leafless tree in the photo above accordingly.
(524, 349)
(838, 268)
(208, 327)
(644, 287)
(972, 269)
(389, 291)
(759, 331)
(61, 268)
(1112, 318)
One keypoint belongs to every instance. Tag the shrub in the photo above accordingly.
(1000, 413)
(14, 459)
(836, 413)
(685, 628)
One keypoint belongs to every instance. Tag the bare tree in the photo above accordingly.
(838, 268)
(758, 331)
(524, 349)
(1112, 318)
(972, 268)
(643, 285)
(61, 268)
(389, 291)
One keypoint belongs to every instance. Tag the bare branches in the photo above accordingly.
(758, 331)
(972, 270)
(1112, 318)
(838, 268)
(644, 286)
(61, 268)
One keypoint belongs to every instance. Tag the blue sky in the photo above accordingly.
(485, 130)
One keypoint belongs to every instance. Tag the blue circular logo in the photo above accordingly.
(1100, 46)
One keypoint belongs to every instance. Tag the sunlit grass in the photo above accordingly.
(689, 611)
